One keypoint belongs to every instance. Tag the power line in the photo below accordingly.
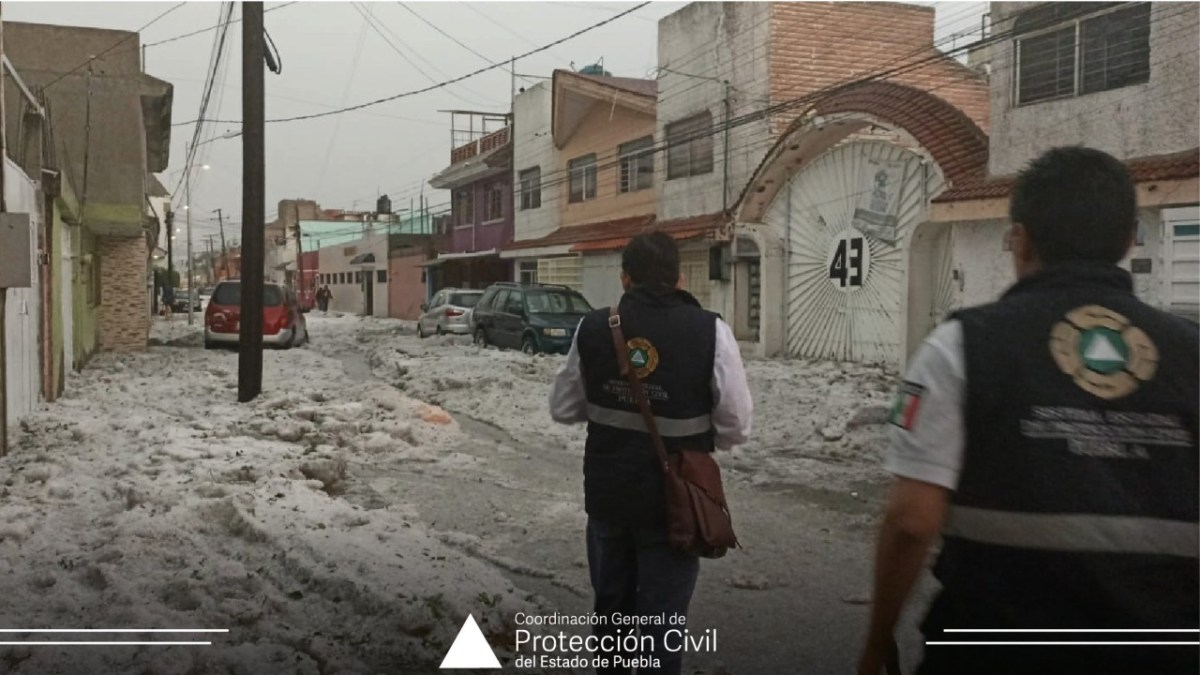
(456, 41)
(116, 44)
(375, 26)
(211, 28)
(433, 87)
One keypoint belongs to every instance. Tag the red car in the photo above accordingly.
(283, 322)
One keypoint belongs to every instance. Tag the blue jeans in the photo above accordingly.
(635, 573)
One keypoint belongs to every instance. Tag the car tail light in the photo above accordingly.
(453, 312)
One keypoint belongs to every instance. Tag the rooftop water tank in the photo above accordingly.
(594, 69)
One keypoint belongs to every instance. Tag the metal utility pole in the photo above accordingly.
(188, 207)
(170, 246)
(224, 251)
(250, 358)
(212, 263)
(299, 254)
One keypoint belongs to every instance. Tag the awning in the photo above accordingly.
(363, 259)
(449, 257)
(618, 243)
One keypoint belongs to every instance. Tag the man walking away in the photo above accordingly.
(692, 372)
(168, 300)
(1050, 437)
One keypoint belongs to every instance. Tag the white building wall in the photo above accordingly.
(602, 279)
(533, 145)
(983, 266)
(1158, 117)
(22, 310)
(698, 47)
(348, 296)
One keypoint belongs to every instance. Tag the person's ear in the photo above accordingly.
(626, 282)
(1024, 254)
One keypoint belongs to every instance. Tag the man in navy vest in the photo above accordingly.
(692, 372)
(1050, 438)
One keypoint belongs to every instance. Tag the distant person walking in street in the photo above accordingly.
(691, 370)
(168, 300)
(323, 298)
(1050, 437)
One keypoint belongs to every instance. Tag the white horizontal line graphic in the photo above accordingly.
(102, 643)
(1065, 643)
(1072, 631)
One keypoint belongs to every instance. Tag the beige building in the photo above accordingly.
(112, 123)
(595, 185)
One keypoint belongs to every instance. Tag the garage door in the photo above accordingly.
(693, 265)
(1183, 260)
(564, 271)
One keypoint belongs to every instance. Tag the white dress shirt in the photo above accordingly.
(733, 408)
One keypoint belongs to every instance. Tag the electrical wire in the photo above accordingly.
(456, 41)
(116, 44)
(434, 87)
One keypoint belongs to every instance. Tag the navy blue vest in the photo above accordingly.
(672, 342)
(1078, 501)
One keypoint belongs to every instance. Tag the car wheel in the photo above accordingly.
(481, 340)
(209, 344)
(529, 345)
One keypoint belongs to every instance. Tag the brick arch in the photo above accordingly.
(947, 134)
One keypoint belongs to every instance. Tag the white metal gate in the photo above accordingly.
(565, 271)
(693, 265)
(1183, 260)
(21, 315)
(849, 216)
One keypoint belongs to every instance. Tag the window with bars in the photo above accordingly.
(1081, 48)
(531, 188)
(637, 164)
(690, 146)
(463, 206)
(582, 172)
(528, 272)
(493, 203)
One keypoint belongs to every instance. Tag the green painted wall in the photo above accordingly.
(57, 246)
(85, 315)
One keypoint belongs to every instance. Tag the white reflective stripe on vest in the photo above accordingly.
(631, 421)
(1075, 532)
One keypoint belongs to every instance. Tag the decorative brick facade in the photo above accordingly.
(124, 302)
(815, 45)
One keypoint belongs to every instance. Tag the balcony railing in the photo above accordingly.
(479, 146)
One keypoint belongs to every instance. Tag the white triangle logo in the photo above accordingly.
(1103, 350)
(470, 649)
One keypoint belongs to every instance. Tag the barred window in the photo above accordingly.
(690, 146)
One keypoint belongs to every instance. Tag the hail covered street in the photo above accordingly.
(383, 488)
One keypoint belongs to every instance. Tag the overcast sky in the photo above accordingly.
(333, 57)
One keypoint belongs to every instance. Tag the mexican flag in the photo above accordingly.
(907, 405)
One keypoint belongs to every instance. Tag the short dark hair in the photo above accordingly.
(1076, 203)
(652, 258)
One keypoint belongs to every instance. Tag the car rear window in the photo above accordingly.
(231, 294)
(556, 302)
(465, 299)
